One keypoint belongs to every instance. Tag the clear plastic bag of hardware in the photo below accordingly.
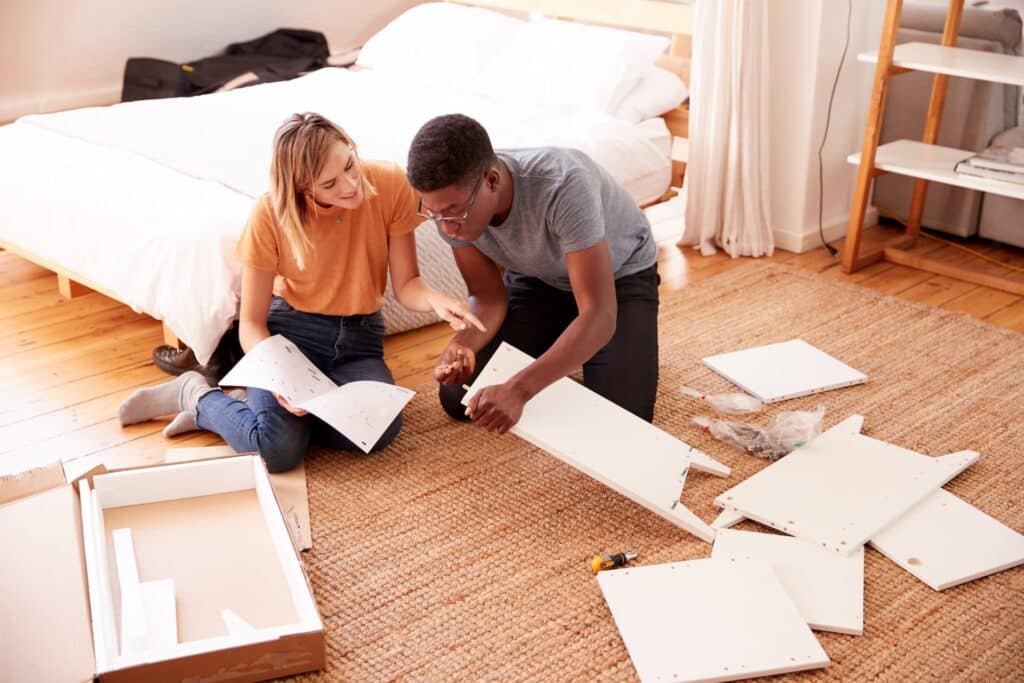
(785, 432)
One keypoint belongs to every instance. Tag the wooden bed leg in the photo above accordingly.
(170, 338)
(69, 289)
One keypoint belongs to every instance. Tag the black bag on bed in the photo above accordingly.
(277, 56)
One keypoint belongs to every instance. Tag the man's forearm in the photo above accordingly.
(577, 344)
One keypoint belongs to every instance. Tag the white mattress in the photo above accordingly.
(147, 199)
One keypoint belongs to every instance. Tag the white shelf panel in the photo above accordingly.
(935, 163)
(956, 61)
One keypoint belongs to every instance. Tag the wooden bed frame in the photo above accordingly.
(71, 285)
(644, 15)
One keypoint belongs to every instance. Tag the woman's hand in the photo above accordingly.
(298, 412)
(454, 311)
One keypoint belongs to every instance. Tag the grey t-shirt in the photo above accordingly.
(564, 202)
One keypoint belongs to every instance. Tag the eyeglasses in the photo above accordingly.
(458, 220)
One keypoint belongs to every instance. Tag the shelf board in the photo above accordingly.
(935, 163)
(956, 61)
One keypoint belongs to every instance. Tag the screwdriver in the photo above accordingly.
(611, 561)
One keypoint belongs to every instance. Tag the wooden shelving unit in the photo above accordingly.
(924, 160)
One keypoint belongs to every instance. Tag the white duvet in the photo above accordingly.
(147, 199)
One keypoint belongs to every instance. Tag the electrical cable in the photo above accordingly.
(828, 120)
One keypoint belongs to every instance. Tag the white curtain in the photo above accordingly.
(726, 180)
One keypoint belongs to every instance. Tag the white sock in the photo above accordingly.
(185, 421)
(179, 395)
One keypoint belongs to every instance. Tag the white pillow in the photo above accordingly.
(439, 44)
(658, 91)
(570, 66)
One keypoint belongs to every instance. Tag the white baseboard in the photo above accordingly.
(11, 108)
(800, 241)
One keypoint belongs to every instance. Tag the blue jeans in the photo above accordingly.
(345, 348)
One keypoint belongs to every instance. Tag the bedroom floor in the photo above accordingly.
(66, 365)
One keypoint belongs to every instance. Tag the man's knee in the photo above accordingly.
(644, 410)
(638, 400)
(451, 401)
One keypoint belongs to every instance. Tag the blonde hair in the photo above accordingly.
(301, 145)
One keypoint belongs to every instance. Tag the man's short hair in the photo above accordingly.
(448, 150)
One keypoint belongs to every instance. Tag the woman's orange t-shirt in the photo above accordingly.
(347, 268)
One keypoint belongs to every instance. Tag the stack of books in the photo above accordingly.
(998, 163)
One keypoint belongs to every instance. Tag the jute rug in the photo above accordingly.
(457, 555)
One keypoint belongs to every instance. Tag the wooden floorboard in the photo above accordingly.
(65, 366)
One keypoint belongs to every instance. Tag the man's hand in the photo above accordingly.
(497, 408)
(456, 364)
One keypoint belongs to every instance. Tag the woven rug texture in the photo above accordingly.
(458, 555)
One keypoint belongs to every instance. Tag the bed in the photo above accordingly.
(144, 201)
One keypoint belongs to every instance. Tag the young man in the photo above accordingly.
(580, 283)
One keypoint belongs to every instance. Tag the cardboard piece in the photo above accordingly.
(22, 484)
(42, 589)
(827, 588)
(945, 541)
(289, 487)
(597, 437)
(361, 410)
(789, 369)
(842, 488)
(708, 620)
(56, 533)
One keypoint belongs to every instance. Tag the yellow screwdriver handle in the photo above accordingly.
(600, 562)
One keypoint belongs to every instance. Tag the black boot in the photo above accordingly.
(175, 361)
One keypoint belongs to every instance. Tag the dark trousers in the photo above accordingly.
(625, 371)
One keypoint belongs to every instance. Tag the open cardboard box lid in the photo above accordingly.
(45, 626)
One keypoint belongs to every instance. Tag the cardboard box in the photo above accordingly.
(242, 607)
(289, 487)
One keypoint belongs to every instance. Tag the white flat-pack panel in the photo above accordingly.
(842, 488)
(727, 518)
(708, 620)
(789, 369)
(597, 437)
(827, 588)
(945, 541)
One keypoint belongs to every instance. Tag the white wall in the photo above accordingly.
(62, 54)
(806, 44)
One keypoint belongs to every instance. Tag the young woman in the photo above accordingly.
(315, 255)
